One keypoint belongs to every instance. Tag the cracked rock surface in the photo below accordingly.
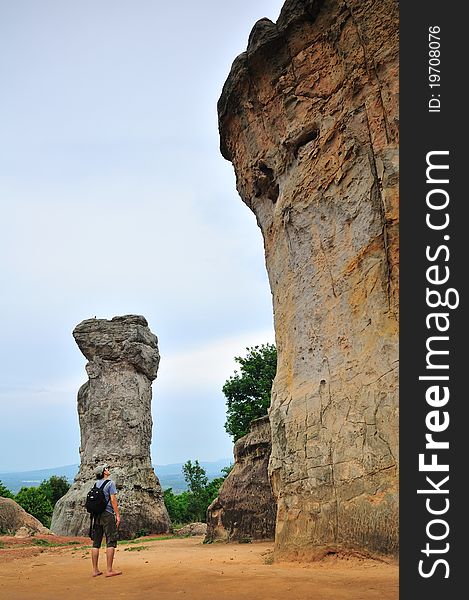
(114, 410)
(245, 507)
(309, 118)
(15, 520)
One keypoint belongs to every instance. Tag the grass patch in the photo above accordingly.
(136, 549)
(2, 545)
(49, 544)
(44, 543)
(153, 539)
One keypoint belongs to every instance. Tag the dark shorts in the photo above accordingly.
(105, 525)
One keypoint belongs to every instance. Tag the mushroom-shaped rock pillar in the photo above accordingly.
(114, 410)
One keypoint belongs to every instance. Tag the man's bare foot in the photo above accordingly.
(113, 573)
(97, 573)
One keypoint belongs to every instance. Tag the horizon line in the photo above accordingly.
(78, 464)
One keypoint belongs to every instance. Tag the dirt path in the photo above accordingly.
(185, 568)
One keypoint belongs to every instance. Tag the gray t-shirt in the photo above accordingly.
(108, 490)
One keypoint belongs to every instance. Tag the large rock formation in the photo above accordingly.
(14, 519)
(245, 507)
(308, 117)
(114, 410)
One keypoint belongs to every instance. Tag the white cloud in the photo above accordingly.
(207, 366)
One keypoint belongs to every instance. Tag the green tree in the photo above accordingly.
(5, 492)
(195, 476)
(192, 504)
(176, 505)
(212, 489)
(248, 392)
(54, 488)
(226, 471)
(197, 481)
(36, 503)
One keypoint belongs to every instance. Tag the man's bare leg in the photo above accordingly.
(110, 560)
(94, 561)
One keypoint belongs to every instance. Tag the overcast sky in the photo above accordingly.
(114, 200)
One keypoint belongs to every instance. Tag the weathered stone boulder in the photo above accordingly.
(245, 507)
(15, 520)
(114, 410)
(309, 119)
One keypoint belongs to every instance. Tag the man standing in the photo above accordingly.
(106, 523)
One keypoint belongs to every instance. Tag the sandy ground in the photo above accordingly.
(185, 568)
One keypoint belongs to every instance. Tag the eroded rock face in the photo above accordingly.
(245, 507)
(114, 410)
(15, 520)
(308, 117)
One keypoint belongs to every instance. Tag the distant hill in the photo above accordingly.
(170, 476)
(15, 481)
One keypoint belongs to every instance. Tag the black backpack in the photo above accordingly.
(96, 500)
(96, 503)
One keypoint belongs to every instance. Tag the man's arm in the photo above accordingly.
(116, 508)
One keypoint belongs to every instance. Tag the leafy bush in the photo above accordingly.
(248, 392)
(192, 505)
(142, 532)
(5, 492)
(40, 501)
(36, 503)
(176, 505)
(54, 488)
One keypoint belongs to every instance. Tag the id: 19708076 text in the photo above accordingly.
(434, 73)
